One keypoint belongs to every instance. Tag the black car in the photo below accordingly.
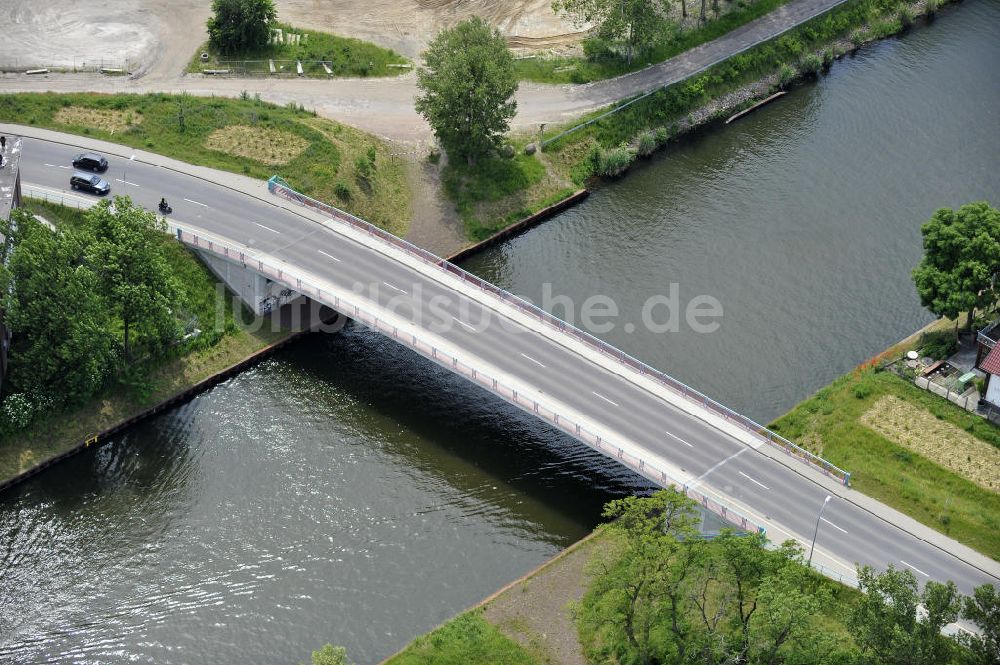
(90, 161)
(90, 183)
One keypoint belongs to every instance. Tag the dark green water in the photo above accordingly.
(347, 492)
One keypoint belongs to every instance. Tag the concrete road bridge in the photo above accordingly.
(267, 241)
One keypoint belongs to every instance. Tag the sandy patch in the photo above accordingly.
(110, 120)
(937, 440)
(268, 146)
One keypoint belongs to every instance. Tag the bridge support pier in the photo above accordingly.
(257, 292)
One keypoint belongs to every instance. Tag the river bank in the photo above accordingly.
(532, 620)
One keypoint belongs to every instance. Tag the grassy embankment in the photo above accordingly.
(497, 192)
(909, 448)
(322, 158)
(533, 620)
(608, 64)
(214, 350)
(345, 56)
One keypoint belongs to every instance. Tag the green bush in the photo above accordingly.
(342, 191)
(595, 48)
(938, 345)
(906, 17)
(662, 135)
(786, 74)
(811, 64)
(647, 144)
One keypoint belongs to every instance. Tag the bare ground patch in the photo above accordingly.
(113, 121)
(939, 441)
(263, 144)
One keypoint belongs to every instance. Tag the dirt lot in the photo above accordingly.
(163, 35)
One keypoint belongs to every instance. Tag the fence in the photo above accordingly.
(79, 63)
(281, 188)
(477, 375)
(692, 74)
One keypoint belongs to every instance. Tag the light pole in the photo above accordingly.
(816, 530)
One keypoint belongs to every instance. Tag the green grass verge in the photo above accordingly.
(584, 70)
(179, 125)
(828, 424)
(216, 349)
(468, 638)
(497, 192)
(345, 56)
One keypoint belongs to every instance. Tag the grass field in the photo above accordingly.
(216, 132)
(215, 350)
(344, 56)
(830, 424)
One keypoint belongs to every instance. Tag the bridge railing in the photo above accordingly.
(279, 187)
(477, 375)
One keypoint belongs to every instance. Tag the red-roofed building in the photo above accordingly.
(989, 361)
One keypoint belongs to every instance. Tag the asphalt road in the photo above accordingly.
(786, 496)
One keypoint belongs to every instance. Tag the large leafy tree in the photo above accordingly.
(239, 25)
(983, 609)
(135, 279)
(636, 24)
(890, 630)
(467, 85)
(662, 594)
(53, 306)
(961, 260)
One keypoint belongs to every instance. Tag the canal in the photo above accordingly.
(345, 491)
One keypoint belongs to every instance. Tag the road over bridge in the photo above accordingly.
(597, 394)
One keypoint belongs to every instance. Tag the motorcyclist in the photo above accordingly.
(163, 203)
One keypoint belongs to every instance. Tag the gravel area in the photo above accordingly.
(535, 611)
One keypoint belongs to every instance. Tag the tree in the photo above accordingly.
(887, 626)
(983, 609)
(52, 303)
(239, 25)
(467, 86)
(637, 24)
(961, 260)
(135, 279)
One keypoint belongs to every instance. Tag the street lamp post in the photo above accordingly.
(816, 530)
(125, 172)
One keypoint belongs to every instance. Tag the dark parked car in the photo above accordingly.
(90, 161)
(90, 183)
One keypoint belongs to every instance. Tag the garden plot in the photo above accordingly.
(941, 442)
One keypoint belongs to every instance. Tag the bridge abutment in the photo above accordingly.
(257, 292)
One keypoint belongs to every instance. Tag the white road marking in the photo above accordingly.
(833, 525)
(914, 568)
(754, 481)
(674, 436)
(604, 398)
(472, 328)
(329, 256)
(266, 228)
(717, 465)
(51, 166)
(126, 182)
(533, 360)
(197, 203)
(394, 288)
